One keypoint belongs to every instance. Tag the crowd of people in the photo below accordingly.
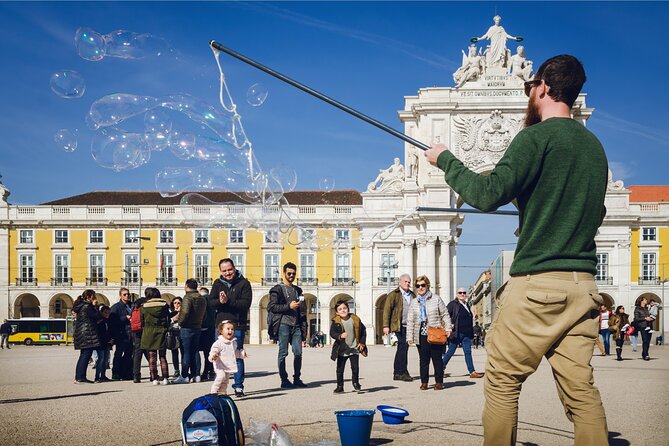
(621, 326)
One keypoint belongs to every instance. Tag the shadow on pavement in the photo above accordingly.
(377, 389)
(260, 397)
(613, 441)
(57, 397)
(259, 374)
(375, 441)
(448, 385)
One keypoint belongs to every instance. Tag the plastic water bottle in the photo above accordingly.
(201, 429)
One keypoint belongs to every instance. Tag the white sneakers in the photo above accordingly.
(196, 379)
(154, 382)
(181, 380)
(165, 382)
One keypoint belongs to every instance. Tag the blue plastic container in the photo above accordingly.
(392, 415)
(355, 426)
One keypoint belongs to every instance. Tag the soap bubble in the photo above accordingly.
(115, 108)
(172, 181)
(256, 95)
(118, 150)
(326, 184)
(182, 145)
(67, 84)
(157, 125)
(285, 176)
(90, 44)
(131, 45)
(66, 139)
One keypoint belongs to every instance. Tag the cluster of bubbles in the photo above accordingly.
(122, 44)
(128, 128)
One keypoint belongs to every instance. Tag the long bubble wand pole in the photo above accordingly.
(217, 46)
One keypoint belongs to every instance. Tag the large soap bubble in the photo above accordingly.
(256, 95)
(67, 84)
(131, 45)
(285, 176)
(326, 184)
(90, 45)
(66, 139)
(115, 108)
(115, 149)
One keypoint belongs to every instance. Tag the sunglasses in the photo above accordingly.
(529, 84)
(462, 292)
(421, 285)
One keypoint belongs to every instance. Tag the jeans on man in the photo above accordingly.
(190, 339)
(293, 336)
(4, 341)
(466, 343)
(239, 374)
(82, 363)
(400, 364)
(606, 336)
(137, 355)
(122, 362)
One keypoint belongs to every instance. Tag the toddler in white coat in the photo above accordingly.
(223, 355)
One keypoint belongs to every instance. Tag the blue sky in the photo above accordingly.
(368, 55)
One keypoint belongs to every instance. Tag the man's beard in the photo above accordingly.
(532, 115)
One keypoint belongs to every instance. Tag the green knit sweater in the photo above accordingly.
(557, 171)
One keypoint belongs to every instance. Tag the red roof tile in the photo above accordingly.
(649, 194)
(131, 198)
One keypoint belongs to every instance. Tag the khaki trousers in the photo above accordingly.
(551, 314)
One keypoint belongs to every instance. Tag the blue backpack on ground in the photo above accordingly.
(212, 420)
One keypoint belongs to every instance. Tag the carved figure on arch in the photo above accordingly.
(520, 67)
(497, 54)
(471, 69)
(390, 178)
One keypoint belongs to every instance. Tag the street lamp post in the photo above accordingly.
(139, 257)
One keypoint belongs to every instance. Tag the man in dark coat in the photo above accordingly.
(395, 311)
(288, 324)
(463, 331)
(119, 322)
(230, 299)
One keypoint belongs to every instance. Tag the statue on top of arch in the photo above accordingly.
(496, 57)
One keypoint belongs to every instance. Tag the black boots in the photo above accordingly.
(619, 353)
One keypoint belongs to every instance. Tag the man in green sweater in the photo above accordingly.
(557, 172)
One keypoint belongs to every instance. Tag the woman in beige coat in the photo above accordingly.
(427, 310)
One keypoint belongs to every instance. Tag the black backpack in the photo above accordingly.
(224, 410)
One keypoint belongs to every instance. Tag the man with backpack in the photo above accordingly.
(230, 299)
(136, 329)
(119, 325)
(288, 324)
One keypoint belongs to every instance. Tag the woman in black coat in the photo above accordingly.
(642, 320)
(86, 336)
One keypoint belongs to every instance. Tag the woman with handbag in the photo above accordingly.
(155, 318)
(619, 324)
(643, 320)
(428, 327)
(175, 308)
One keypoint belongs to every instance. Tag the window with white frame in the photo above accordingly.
(602, 266)
(26, 236)
(388, 267)
(202, 268)
(62, 268)
(201, 236)
(131, 268)
(343, 268)
(131, 235)
(236, 236)
(342, 234)
(96, 267)
(648, 234)
(166, 268)
(238, 260)
(166, 236)
(648, 266)
(272, 236)
(307, 267)
(272, 267)
(62, 236)
(95, 236)
(27, 268)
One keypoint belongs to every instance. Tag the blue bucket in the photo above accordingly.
(355, 426)
(392, 415)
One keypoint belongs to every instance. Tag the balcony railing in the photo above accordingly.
(309, 281)
(604, 280)
(267, 281)
(100, 281)
(166, 281)
(26, 281)
(56, 281)
(343, 281)
(649, 281)
(128, 281)
(394, 281)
